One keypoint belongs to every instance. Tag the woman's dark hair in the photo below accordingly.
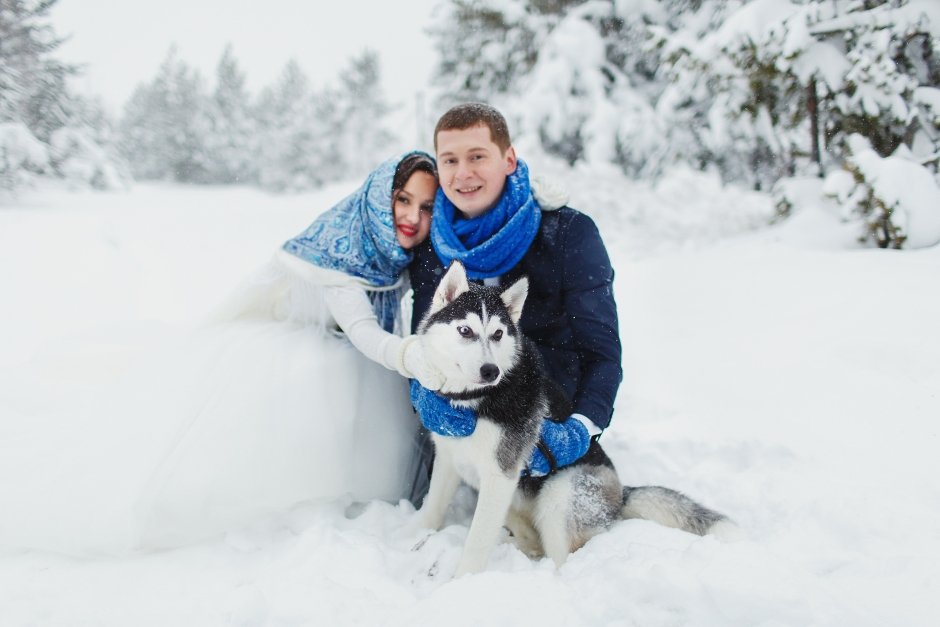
(409, 165)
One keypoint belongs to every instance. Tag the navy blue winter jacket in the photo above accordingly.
(569, 313)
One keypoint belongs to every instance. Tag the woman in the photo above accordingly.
(343, 424)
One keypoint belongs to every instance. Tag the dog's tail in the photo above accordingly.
(674, 509)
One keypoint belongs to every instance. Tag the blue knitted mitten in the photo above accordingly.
(439, 416)
(568, 441)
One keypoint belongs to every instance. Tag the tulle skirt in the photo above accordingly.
(181, 437)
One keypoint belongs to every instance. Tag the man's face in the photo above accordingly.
(473, 169)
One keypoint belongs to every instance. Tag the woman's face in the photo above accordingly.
(411, 208)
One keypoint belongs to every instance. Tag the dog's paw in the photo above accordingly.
(424, 520)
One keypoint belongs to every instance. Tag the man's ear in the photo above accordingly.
(451, 286)
(514, 298)
(511, 161)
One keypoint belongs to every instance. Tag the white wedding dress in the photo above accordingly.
(196, 434)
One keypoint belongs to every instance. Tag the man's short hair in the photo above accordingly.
(471, 114)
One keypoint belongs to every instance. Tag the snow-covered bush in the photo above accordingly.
(82, 162)
(22, 156)
(896, 197)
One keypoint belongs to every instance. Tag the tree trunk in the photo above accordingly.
(812, 105)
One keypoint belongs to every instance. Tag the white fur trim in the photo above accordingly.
(325, 277)
(549, 194)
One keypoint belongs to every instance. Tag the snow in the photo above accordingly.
(779, 374)
(912, 16)
(824, 60)
(929, 96)
(745, 22)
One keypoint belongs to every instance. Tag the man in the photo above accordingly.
(485, 216)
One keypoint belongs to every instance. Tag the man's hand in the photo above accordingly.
(567, 442)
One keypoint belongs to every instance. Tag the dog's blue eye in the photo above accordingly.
(498, 335)
(465, 331)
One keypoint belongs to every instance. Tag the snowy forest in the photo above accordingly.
(760, 91)
(763, 174)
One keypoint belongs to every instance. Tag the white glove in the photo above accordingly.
(413, 364)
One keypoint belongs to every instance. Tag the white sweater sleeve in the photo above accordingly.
(350, 307)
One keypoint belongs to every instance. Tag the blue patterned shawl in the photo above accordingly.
(490, 244)
(357, 236)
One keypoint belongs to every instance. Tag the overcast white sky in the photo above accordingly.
(124, 41)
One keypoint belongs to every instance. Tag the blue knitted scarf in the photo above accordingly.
(357, 236)
(491, 244)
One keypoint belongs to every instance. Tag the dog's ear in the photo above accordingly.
(451, 286)
(514, 298)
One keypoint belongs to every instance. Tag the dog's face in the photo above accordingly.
(471, 332)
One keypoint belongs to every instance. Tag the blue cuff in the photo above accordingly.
(439, 416)
(567, 441)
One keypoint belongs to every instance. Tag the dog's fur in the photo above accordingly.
(471, 333)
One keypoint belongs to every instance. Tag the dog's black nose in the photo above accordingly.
(489, 372)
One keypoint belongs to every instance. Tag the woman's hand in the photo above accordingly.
(413, 364)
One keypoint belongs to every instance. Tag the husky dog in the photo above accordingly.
(471, 333)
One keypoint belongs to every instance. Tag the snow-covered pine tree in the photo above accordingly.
(164, 127)
(362, 111)
(296, 150)
(34, 90)
(484, 46)
(33, 95)
(585, 98)
(231, 128)
(737, 90)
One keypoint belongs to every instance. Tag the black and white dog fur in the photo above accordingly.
(471, 333)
